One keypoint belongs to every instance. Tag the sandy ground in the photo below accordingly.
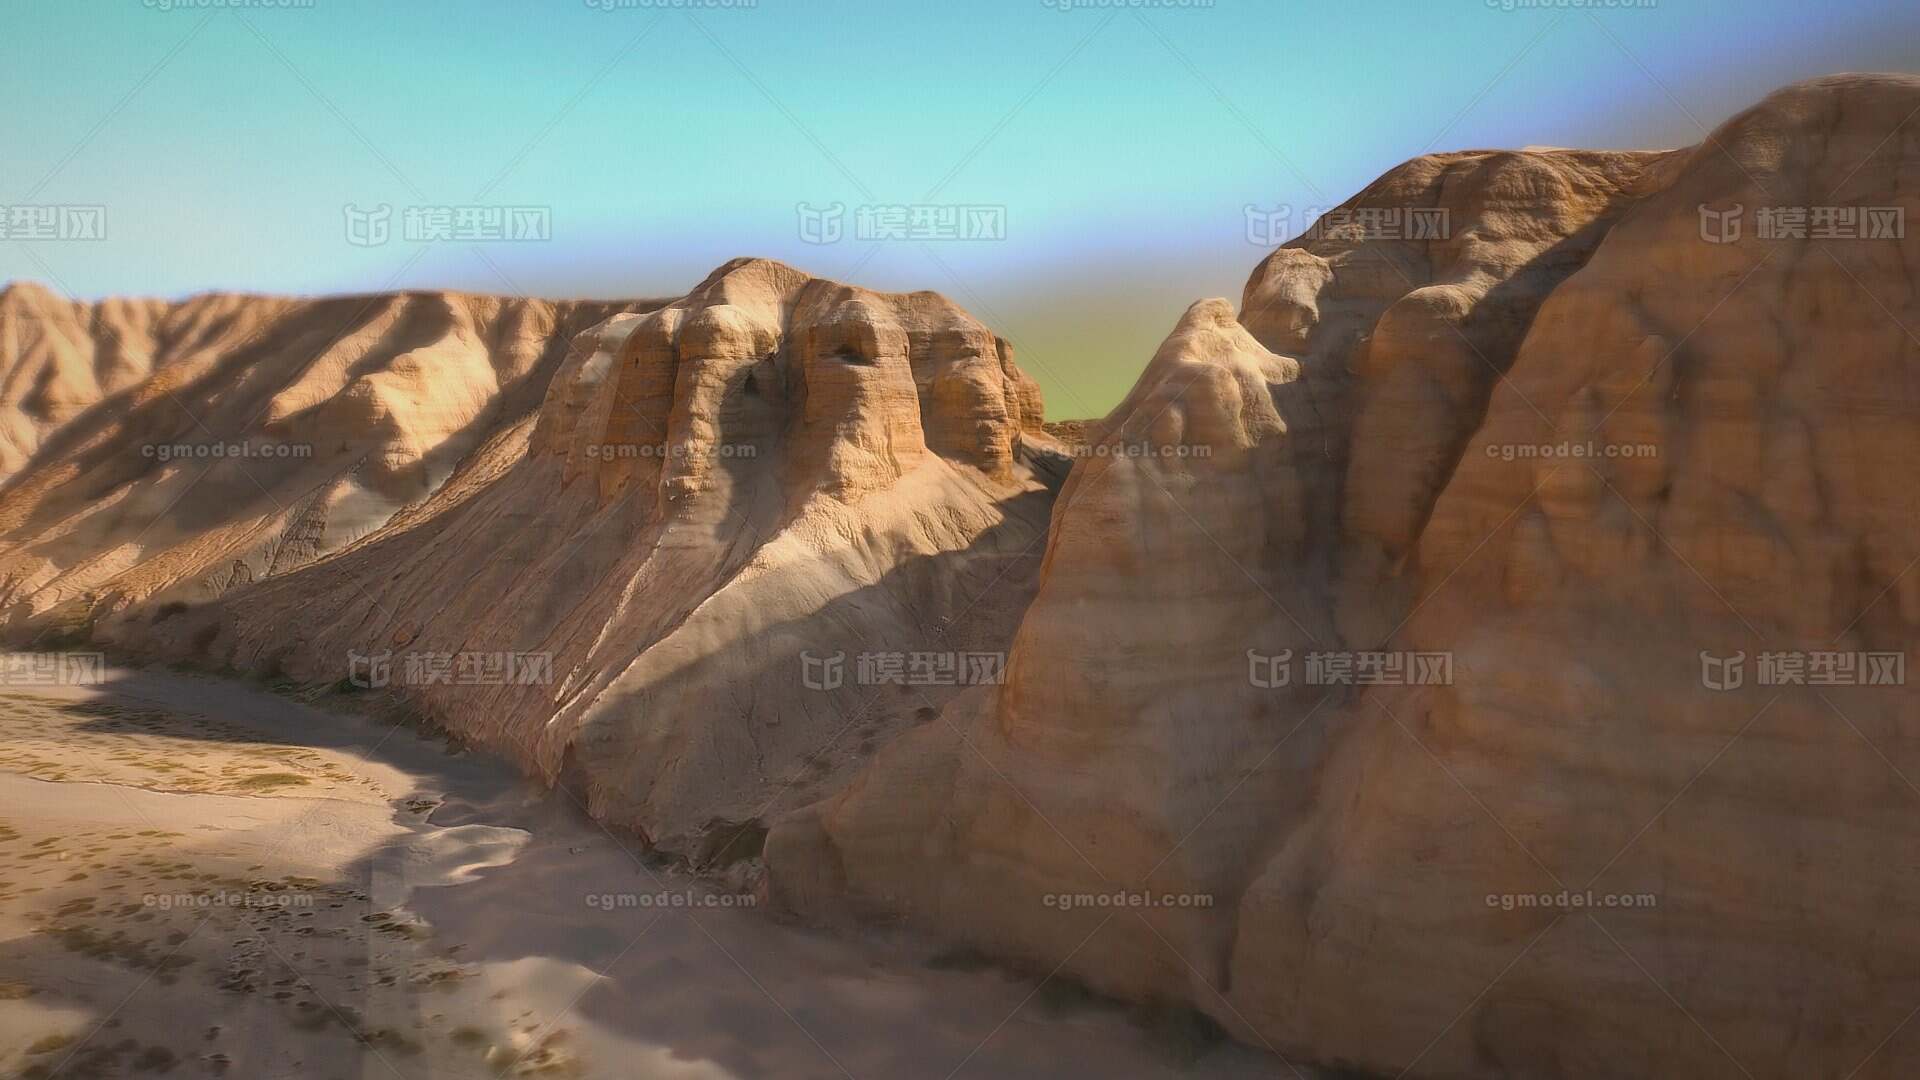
(198, 877)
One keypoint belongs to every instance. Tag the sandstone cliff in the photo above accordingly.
(1384, 619)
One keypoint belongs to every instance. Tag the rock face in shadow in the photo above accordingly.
(1486, 655)
(686, 597)
(181, 449)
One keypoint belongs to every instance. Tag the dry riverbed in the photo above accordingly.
(200, 878)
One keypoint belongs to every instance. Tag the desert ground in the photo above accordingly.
(205, 877)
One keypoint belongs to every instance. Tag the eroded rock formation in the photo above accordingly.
(723, 507)
(1537, 467)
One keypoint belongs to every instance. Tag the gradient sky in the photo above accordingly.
(666, 136)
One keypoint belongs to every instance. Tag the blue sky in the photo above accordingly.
(1121, 144)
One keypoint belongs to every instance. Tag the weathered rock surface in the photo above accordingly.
(720, 502)
(181, 449)
(1368, 463)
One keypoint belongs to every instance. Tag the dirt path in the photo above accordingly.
(201, 878)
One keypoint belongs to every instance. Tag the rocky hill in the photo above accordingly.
(181, 449)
